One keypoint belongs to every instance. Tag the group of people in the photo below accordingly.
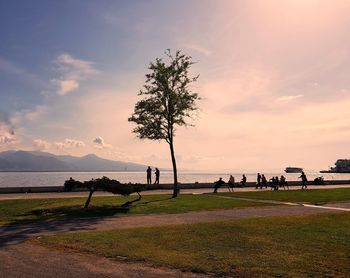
(149, 175)
(275, 182)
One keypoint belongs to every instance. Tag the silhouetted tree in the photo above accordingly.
(108, 185)
(167, 101)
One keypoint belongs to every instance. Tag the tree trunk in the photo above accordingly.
(89, 198)
(127, 204)
(173, 160)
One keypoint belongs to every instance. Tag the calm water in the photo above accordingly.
(24, 179)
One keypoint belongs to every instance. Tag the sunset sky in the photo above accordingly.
(274, 79)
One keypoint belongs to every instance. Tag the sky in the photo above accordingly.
(274, 79)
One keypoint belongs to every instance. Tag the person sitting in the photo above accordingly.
(277, 183)
(272, 183)
(231, 183)
(283, 182)
(218, 184)
(243, 181)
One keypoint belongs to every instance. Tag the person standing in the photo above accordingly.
(263, 181)
(243, 181)
(231, 182)
(149, 175)
(157, 173)
(303, 180)
(258, 181)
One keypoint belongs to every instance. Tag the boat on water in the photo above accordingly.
(341, 166)
(293, 170)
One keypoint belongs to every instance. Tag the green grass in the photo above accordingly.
(67, 208)
(314, 196)
(53, 209)
(304, 246)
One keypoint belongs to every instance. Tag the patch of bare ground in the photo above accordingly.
(26, 260)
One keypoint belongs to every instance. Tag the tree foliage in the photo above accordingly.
(104, 184)
(167, 101)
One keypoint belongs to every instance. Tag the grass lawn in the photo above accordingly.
(303, 246)
(314, 196)
(53, 209)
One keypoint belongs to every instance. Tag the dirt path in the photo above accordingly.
(27, 261)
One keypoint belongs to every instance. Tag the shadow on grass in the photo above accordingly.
(154, 201)
(60, 219)
(76, 212)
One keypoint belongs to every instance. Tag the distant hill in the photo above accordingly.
(43, 161)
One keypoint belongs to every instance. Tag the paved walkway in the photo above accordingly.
(12, 196)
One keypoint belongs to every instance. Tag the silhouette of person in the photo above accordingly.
(283, 182)
(157, 173)
(263, 181)
(218, 184)
(272, 182)
(149, 175)
(231, 181)
(303, 180)
(243, 181)
(258, 181)
(277, 183)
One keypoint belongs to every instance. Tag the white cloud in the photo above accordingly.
(100, 143)
(41, 144)
(7, 135)
(66, 86)
(72, 71)
(7, 139)
(289, 98)
(69, 143)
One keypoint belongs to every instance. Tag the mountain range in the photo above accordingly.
(43, 161)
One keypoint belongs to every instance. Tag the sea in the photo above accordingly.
(29, 179)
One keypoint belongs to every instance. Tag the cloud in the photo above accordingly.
(100, 143)
(41, 144)
(66, 86)
(289, 98)
(68, 144)
(7, 134)
(5, 140)
(72, 71)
